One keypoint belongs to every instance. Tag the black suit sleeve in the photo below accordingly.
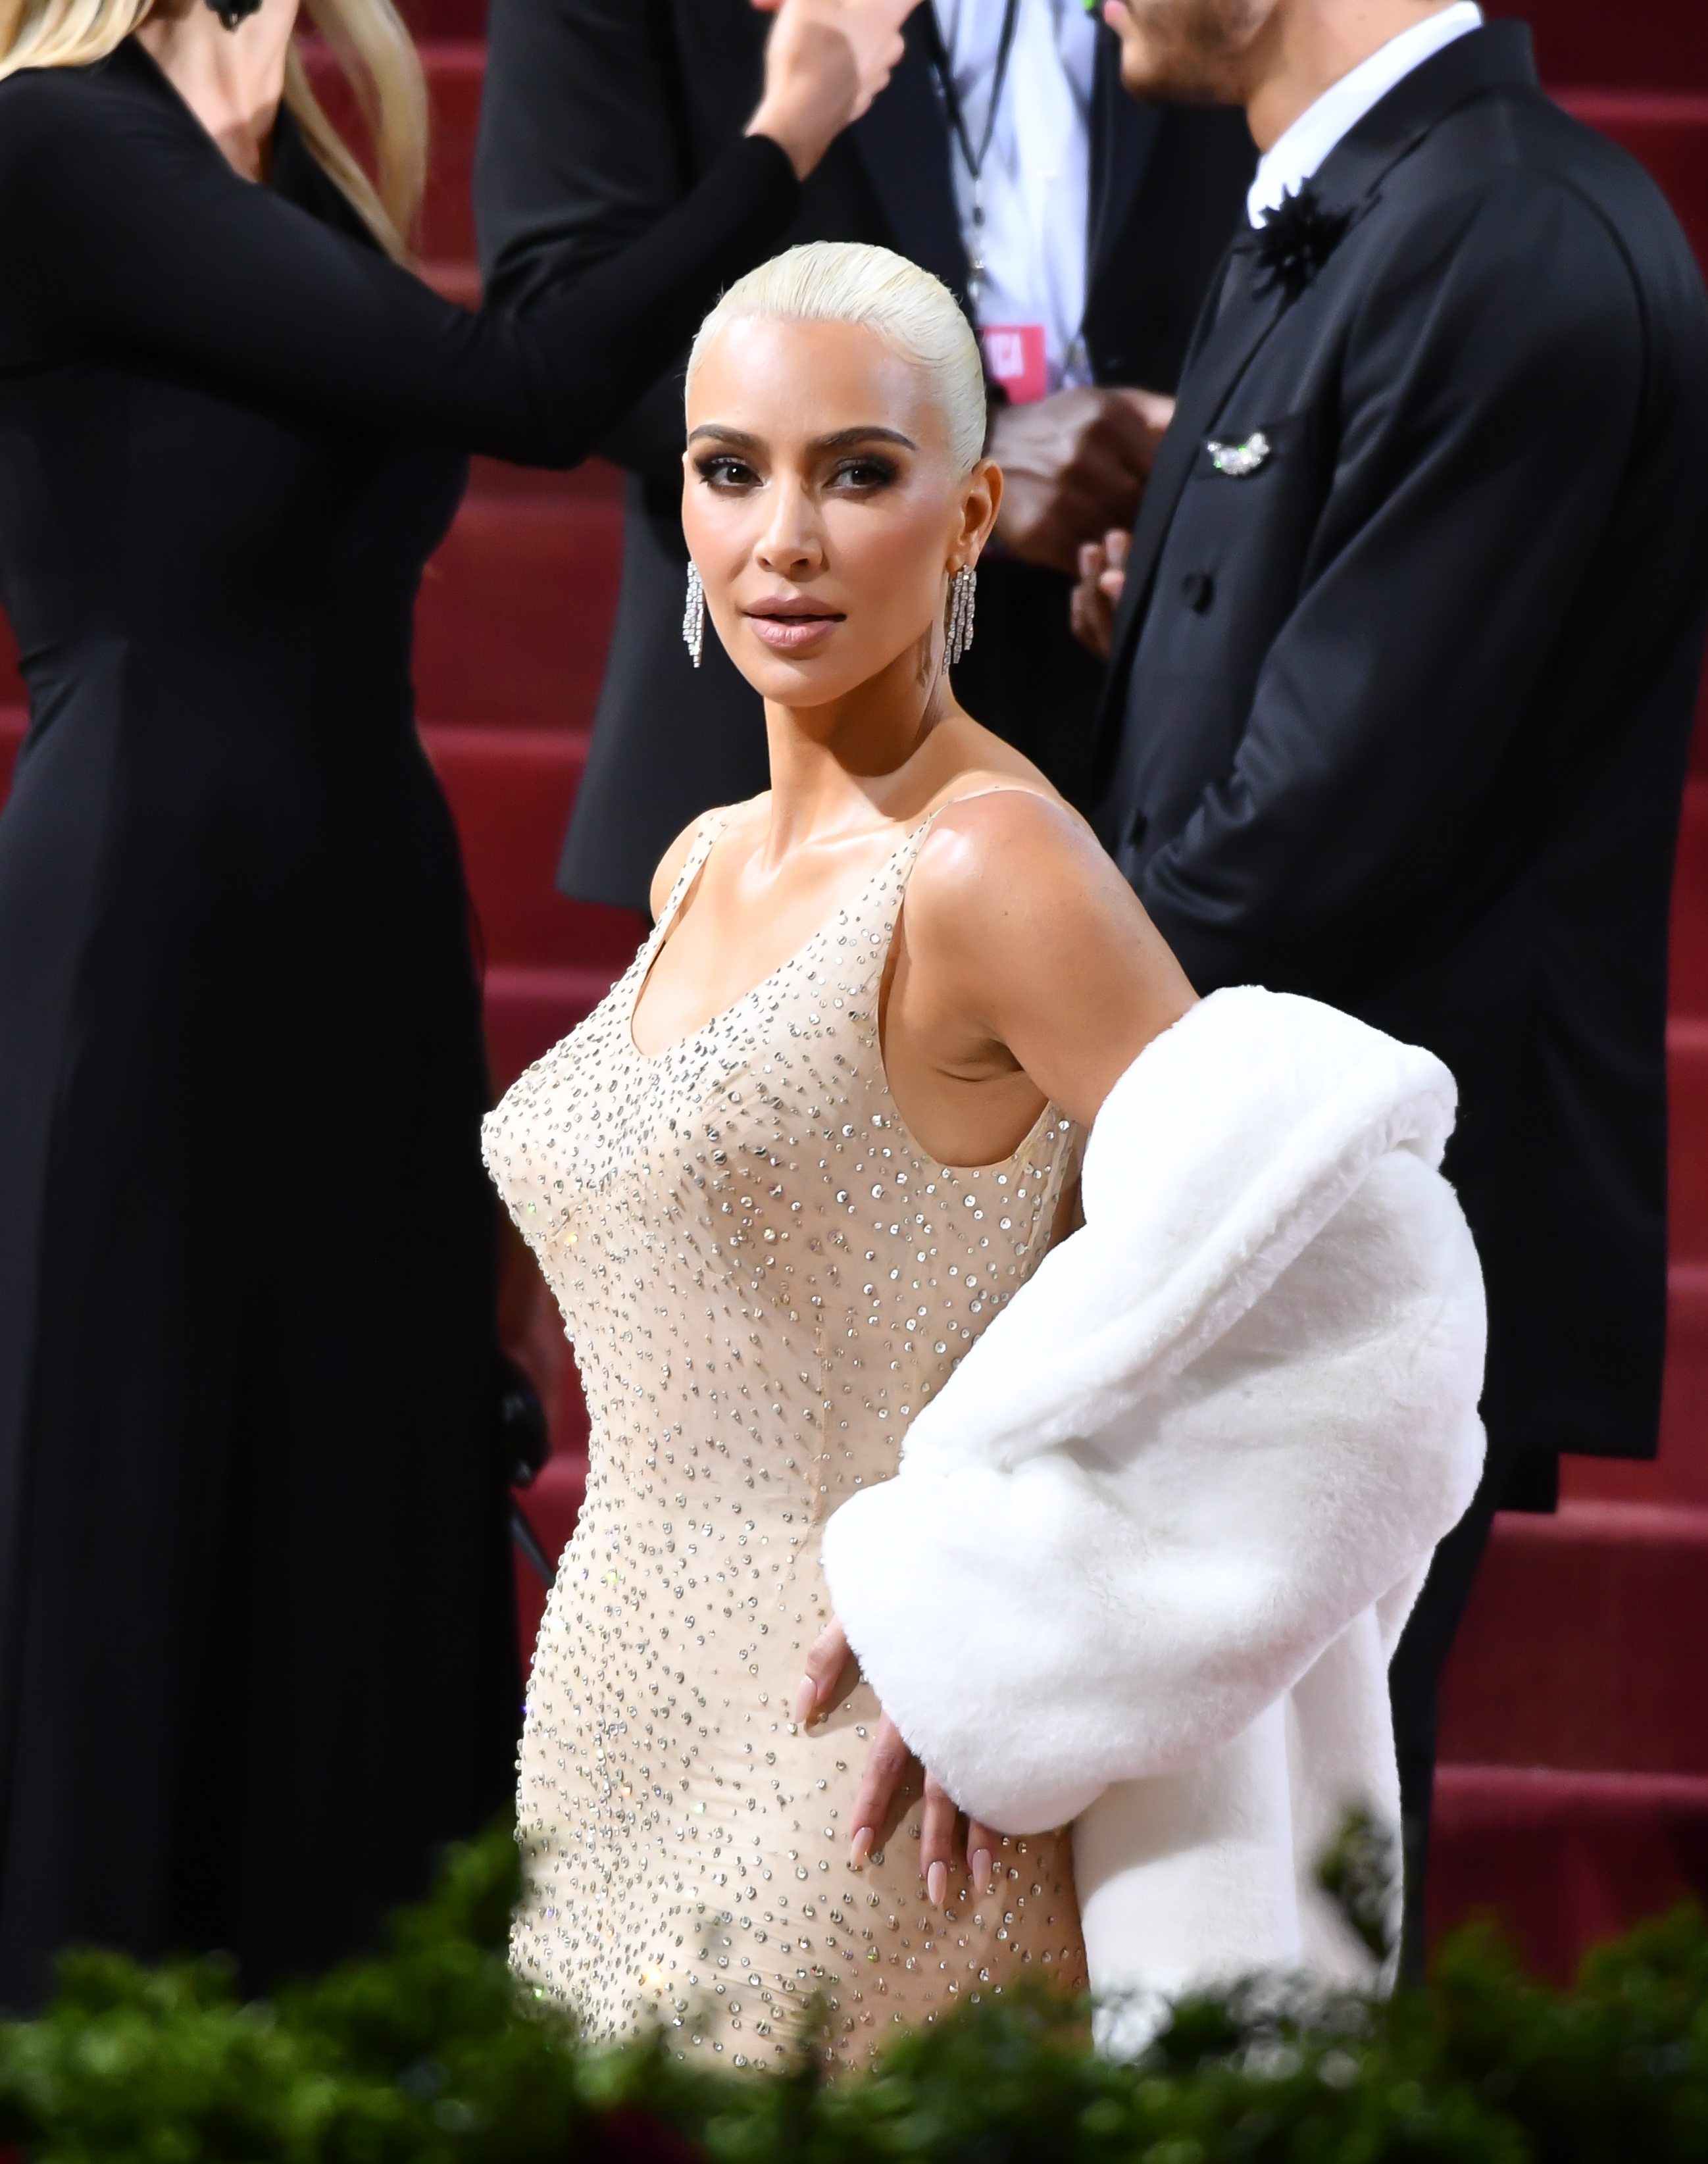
(1490, 393)
(121, 225)
(583, 148)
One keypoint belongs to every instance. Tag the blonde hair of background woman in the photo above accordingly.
(369, 41)
(848, 282)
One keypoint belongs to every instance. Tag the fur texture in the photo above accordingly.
(1147, 1557)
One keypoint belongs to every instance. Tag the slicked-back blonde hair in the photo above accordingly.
(848, 281)
(369, 41)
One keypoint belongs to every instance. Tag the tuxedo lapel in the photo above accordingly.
(903, 142)
(1243, 319)
(1123, 135)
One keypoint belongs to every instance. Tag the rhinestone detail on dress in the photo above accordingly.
(763, 1279)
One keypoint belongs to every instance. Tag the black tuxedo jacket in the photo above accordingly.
(1398, 717)
(598, 116)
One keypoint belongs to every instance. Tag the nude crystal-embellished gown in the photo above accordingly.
(763, 1278)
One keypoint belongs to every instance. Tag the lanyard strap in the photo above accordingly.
(958, 123)
(951, 97)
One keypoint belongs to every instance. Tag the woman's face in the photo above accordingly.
(821, 505)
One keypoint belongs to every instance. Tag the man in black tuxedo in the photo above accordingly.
(1405, 661)
(599, 114)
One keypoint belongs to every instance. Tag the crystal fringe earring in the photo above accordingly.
(694, 616)
(958, 615)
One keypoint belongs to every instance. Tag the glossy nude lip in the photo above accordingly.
(793, 625)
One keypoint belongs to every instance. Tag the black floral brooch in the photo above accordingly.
(1296, 239)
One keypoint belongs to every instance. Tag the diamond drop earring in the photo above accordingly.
(694, 616)
(958, 615)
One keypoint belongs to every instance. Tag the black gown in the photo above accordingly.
(257, 1648)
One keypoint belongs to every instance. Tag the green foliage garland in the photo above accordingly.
(430, 2054)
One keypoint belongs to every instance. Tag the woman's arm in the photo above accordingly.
(122, 226)
(1026, 971)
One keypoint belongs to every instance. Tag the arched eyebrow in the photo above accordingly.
(845, 440)
(842, 440)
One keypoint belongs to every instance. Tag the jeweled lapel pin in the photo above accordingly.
(1238, 460)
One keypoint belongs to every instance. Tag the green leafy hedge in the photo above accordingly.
(430, 2054)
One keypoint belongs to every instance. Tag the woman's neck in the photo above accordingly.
(232, 80)
(837, 767)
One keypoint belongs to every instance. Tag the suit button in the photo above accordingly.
(1198, 591)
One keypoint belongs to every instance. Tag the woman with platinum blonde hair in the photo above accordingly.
(249, 1368)
(954, 1601)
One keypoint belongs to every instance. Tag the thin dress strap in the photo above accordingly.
(706, 838)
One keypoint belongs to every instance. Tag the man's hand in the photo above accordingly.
(831, 1668)
(1074, 465)
(825, 61)
(1103, 577)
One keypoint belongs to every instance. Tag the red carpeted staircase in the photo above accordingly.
(1574, 1788)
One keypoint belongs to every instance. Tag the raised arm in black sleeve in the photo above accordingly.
(590, 136)
(1484, 416)
(121, 224)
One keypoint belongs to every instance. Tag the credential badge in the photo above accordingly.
(1239, 460)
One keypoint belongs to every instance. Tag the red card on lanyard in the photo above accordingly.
(1015, 357)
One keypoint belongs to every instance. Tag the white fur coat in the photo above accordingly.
(1146, 1559)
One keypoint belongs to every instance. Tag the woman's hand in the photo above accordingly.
(825, 61)
(889, 1763)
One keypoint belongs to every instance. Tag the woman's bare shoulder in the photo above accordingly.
(1000, 821)
(670, 866)
(1020, 923)
(1006, 862)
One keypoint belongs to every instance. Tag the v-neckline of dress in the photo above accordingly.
(691, 872)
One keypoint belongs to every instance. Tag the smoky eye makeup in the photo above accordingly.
(725, 470)
(865, 473)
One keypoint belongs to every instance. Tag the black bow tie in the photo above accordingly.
(1296, 239)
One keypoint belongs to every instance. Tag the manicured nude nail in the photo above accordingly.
(805, 1699)
(862, 1847)
(981, 1870)
(937, 1884)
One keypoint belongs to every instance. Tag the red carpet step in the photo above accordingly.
(1563, 1861)
(1585, 1645)
(1572, 1796)
(512, 791)
(516, 608)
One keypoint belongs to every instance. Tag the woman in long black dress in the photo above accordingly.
(257, 1655)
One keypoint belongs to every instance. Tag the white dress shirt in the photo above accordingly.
(1295, 158)
(1037, 175)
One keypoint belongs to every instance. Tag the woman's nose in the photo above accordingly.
(790, 546)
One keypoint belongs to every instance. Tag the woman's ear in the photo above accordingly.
(980, 505)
